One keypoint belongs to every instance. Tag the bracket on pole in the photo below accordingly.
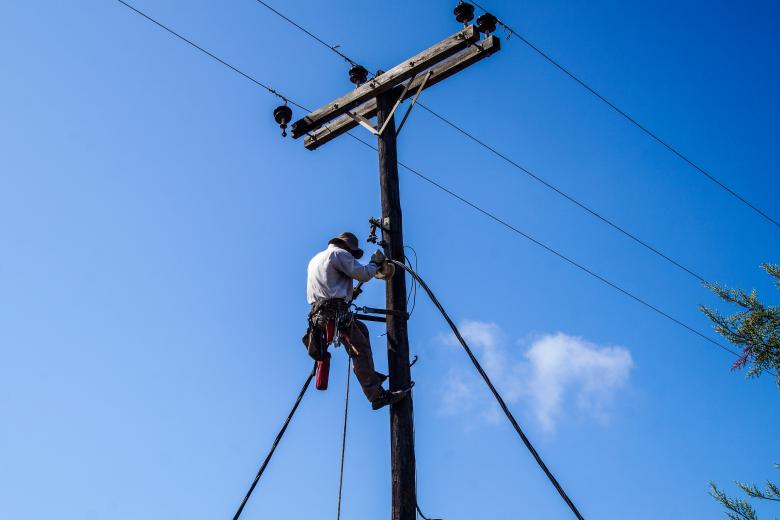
(375, 223)
(414, 100)
(379, 131)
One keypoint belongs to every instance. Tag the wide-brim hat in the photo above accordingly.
(349, 242)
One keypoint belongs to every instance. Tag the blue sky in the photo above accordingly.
(156, 229)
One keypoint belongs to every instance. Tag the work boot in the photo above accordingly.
(389, 398)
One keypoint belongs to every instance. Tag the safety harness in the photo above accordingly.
(330, 322)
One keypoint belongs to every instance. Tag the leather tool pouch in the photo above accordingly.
(314, 342)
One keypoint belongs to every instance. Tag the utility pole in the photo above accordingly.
(401, 414)
(381, 97)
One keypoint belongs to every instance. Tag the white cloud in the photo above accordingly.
(554, 370)
(562, 364)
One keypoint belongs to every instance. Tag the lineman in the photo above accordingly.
(329, 290)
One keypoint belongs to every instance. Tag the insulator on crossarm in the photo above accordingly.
(358, 75)
(283, 115)
(464, 12)
(487, 23)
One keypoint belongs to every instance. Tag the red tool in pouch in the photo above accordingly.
(323, 370)
(323, 367)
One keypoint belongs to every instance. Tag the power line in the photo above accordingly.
(334, 48)
(549, 249)
(633, 121)
(512, 162)
(567, 196)
(211, 55)
(463, 200)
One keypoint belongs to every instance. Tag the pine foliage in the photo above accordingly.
(755, 328)
(740, 509)
(736, 508)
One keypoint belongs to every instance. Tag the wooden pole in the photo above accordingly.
(404, 500)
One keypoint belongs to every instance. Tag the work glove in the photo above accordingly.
(378, 258)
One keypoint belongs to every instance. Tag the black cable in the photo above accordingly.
(209, 54)
(344, 439)
(511, 162)
(632, 120)
(564, 194)
(412, 296)
(334, 48)
(551, 250)
(417, 503)
(498, 397)
(276, 443)
(419, 511)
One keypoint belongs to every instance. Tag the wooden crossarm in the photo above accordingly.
(384, 82)
(440, 72)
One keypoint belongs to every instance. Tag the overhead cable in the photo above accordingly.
(334, 48)
(632, 120)
(211, 55)
(549, 249)
(511, 162)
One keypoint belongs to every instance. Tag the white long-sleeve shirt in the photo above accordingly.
(331, 272)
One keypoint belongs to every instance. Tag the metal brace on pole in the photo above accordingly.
(414, 100)
(379, 131)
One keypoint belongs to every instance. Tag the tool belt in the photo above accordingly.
(329, 321)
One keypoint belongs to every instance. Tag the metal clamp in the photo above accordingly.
(385, 312)
(375, 223)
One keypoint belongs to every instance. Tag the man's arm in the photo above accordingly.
(354, 269)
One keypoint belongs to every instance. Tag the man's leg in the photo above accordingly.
(363, 362)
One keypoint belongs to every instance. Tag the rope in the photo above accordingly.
(276, 443)
(344, 439)
(498, 397)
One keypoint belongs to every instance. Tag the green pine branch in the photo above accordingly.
(736, 509)
(739, 509)
(755, 328)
